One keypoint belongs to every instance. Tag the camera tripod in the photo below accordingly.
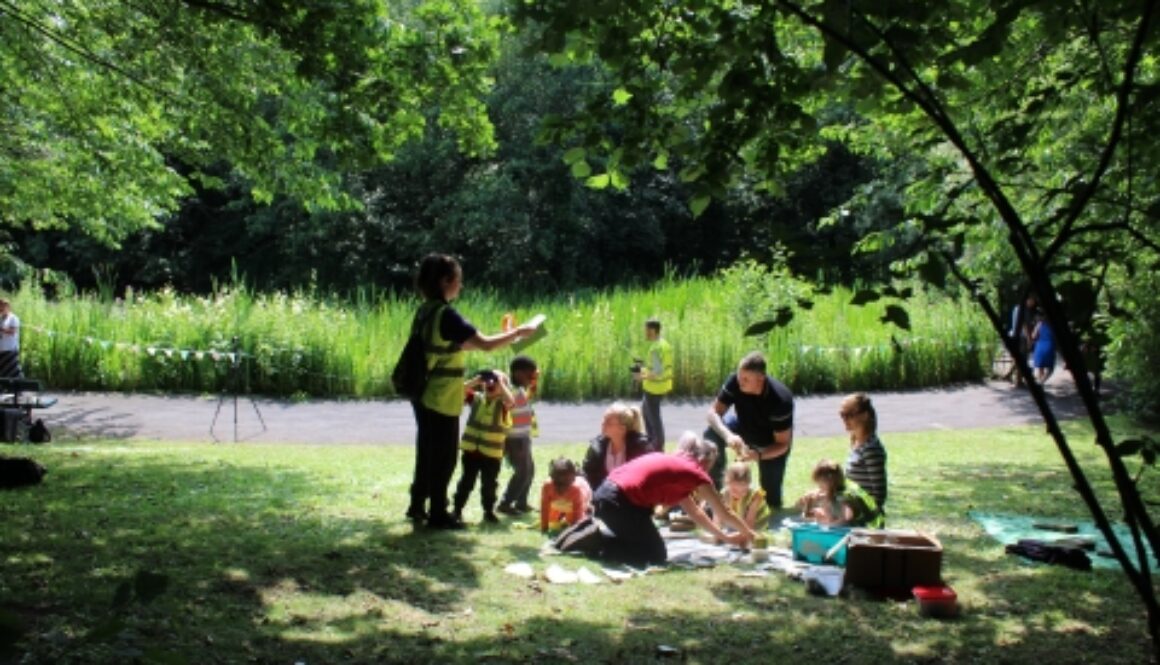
(231, 387)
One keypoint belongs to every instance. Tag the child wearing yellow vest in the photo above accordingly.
(491, 402)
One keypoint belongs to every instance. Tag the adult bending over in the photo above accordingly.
(760, 427)
(621, 439)
(866, 464)
(446, 338)
(624, 502)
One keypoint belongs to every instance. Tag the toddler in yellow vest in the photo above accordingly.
(491, 400)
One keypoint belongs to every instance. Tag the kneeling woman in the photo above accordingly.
(624, 501)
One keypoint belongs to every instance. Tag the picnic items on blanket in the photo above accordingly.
(824, 580)
(1054, 553)
(1009, 529)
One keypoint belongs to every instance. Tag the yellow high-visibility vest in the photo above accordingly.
(446, 366)
(486, 427)
(660, 364)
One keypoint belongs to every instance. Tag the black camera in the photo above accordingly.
(637, 366)
(488, 376)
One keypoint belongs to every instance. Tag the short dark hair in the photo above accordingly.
(432, 271)
(560, 468)
(654, 324)
(522, 363)
(753, 362)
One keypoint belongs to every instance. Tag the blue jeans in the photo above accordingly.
(771, 472)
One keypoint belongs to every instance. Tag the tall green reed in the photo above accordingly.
(306, 343)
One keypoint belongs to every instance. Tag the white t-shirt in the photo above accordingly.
(10, 341)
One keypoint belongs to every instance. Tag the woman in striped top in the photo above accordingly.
(866, 464)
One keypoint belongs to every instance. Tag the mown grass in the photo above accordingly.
(308, 344)
(283, 554)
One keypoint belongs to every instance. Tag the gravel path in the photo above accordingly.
(184, 418)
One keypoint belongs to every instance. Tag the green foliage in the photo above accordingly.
(123, 107)
(308, 344)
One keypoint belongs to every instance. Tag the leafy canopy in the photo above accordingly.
(111, 109)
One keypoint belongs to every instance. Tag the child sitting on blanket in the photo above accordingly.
(838, 501)
(564, 498)
(746, 501)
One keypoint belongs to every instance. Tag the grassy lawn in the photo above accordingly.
(287, 554)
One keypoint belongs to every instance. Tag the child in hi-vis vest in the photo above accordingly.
(518, 446)
(483, 438)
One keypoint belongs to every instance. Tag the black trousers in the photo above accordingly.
(436, 446)
(635, 539)
(477, 465)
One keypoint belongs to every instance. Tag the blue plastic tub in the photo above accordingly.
(811, 541)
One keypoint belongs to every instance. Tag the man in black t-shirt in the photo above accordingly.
(759, 428)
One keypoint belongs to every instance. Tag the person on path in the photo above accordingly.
(9, 342)
(1044, 350)
(1021, 330)
(517, 449)
(753, 416)
(447, 338)
(656, 377)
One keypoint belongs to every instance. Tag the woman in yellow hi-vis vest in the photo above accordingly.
(447, 336)
(656, 377)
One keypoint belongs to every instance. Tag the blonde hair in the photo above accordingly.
(829, 472)
(629, 416)
(739, 471)
(860, 403)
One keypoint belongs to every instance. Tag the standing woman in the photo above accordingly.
(447, 337)
(866, 464)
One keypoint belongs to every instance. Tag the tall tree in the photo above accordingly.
(1021, 120)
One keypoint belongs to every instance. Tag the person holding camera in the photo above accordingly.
(437, 411)
(656, 379)
(490, 396)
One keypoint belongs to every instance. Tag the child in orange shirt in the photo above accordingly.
(564, 497)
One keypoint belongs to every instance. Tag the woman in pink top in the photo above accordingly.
(624, 502)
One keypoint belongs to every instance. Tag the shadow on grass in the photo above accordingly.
(244, 559)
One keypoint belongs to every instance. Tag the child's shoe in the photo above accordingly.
(490, 517)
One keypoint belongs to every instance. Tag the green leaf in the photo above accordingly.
(897, 315)
(574, 155)
(661, 162)
(619, 179)
(865, 296)
(620, 97)
(581, 169)
(599, 181)
(699, 204)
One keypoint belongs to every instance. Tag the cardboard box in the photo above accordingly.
(893, 559)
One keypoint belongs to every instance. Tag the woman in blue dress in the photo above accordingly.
(1043, 358)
